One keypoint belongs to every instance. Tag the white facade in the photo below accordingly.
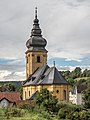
(76, 98)
(4, 103)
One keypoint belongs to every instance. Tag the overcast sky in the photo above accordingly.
(65, 24)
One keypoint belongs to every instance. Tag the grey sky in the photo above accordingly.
(64, 23)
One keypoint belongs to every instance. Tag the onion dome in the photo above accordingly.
(36, 41)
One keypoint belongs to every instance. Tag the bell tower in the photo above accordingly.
(36, 54)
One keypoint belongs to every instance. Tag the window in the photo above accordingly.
(57, 91)
(27, 59)
(42, 76)
(25, 94)
(29, 93)
(38, 59)
(44, 55)
(33, 78)
(27, 75)
(64, 94)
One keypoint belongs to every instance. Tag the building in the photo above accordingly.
(76, 95)
(38, 74)
(8, 99)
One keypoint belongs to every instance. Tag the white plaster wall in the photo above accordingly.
(4, 103)
(79, 99)
(73, 98)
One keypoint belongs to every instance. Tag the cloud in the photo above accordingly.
(65, 24)
(12, 70)
(12, 76)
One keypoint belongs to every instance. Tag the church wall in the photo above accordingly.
(49, 87)
(61, 92)
(58, 90)
(28, 91)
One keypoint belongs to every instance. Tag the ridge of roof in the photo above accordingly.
(34, 79)
(54, 77)
(11, 96)
(46, 75)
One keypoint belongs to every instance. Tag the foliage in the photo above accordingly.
(76, 76)
(47, 100)
(81, 81)
(68, 111)
(7, 88)
(14, 112)
(17, 84)
(84, 115)
(21, 92)
(86, 95)
(27, 105)
(86, 73)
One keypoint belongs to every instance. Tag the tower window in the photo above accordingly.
(44, 55)
(27, 74)
(64, 94)
(38, 59)
(27, 59)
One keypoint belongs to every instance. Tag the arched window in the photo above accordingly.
(26, 59)
(57, 91)
(64, 94)
(29, 93)
(27, 74)
(38, 59)
(25, 94)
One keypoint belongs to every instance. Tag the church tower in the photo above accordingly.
(36, 54)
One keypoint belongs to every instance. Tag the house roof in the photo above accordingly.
(10, 96)
(81, 88)
(45, 75)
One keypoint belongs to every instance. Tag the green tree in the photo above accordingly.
(84, 74)
(47, 100)
(86, 95)
(76, 73)
(7, 88)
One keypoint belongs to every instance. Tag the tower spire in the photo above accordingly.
(35, 12)
(54, 63)
(36, 40)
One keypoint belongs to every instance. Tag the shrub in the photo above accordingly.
(68, 111)
(14, 112)
(84, 115)
(47, 100)
(27, 105)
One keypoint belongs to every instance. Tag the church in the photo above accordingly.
(38, 74)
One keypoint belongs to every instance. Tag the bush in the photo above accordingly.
(47, 100)
(14, 112)
(27, 105)
(84, 115)
(68, 111)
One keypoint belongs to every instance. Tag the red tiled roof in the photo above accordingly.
(11, 96)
